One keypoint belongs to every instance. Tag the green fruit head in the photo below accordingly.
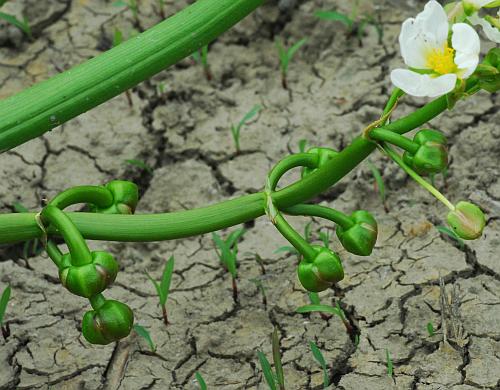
(89, 279)
(111, 322)
(431, 156)
(324, 155)
(360, 238)
(321, 272)
(467, 220)
(125, 198)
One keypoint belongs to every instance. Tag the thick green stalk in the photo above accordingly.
(46, 105)
(167, 226)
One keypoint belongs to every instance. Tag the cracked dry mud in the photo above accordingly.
(337, 88)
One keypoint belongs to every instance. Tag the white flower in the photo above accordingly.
(491, 32)
(435, 66)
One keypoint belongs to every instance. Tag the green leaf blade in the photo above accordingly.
(267, 370)
(166, 280)
(4, 301)
(201, 381)
(143, 332)
(335, 16)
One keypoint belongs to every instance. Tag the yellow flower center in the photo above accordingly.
(441, 60)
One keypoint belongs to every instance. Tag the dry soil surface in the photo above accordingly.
(337, 87)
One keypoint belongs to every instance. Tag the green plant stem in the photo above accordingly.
(96, 195)
(45, 106)
(299, 243)
(80, 253)
(415, 176)
(381, 134)
(295, 160)
(315, 210)
(54, 253)
(97, 301)
(156, 227)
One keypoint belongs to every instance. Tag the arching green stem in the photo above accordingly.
(383, 135)
(415, 176)
(295, 160)
(315, 210)
(54, 253)
(294, 238)
(96, 195)
(46, 105)
(80, 253)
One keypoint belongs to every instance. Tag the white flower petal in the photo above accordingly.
(466, 43)
(435, 22)
(428, 31)
(491, 32)
(422, 85)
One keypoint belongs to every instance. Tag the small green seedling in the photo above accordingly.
(337, 310)
(235, 130)
(285, 56)
(315, 300)
(131, 5)
(4, 301)
(163, 288)
(325, 238)
(227, 251)
(161, 7)
(302, 145)
(267, 371)
(200, 380)
(356, 24)
(260, 286)
(160, 88)
(321, 360)
(277, 377)
(140, 164)
(379, 184)
(117, 40)
(22, 25)
(201, 57)
(430, 329)
(390, 367)
(451, 233)
(32, 247)
(143, 332)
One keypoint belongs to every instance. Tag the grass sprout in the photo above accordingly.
(161, 7)
(4, 301)
(144, 333)
(321, 360)
(430, 329)
(236, 129)
(131, 5)
(327, 309)
(201, 57)
(140, 164)
(22, 25)
(286, 56)
(163, 288)
(325, 238)
(260, 286)
(355, 23)
(274, 379)
(200, 380)
(390, 367)
(227, 251)
(302, 145)
(379, 184)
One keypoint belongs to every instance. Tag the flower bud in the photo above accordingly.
(325, 154)
(110, 322)
(125, 198)
(321, 272)
(488, 72)
(467, 220)
(360, 238)
(89, 279)
(431, 156)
